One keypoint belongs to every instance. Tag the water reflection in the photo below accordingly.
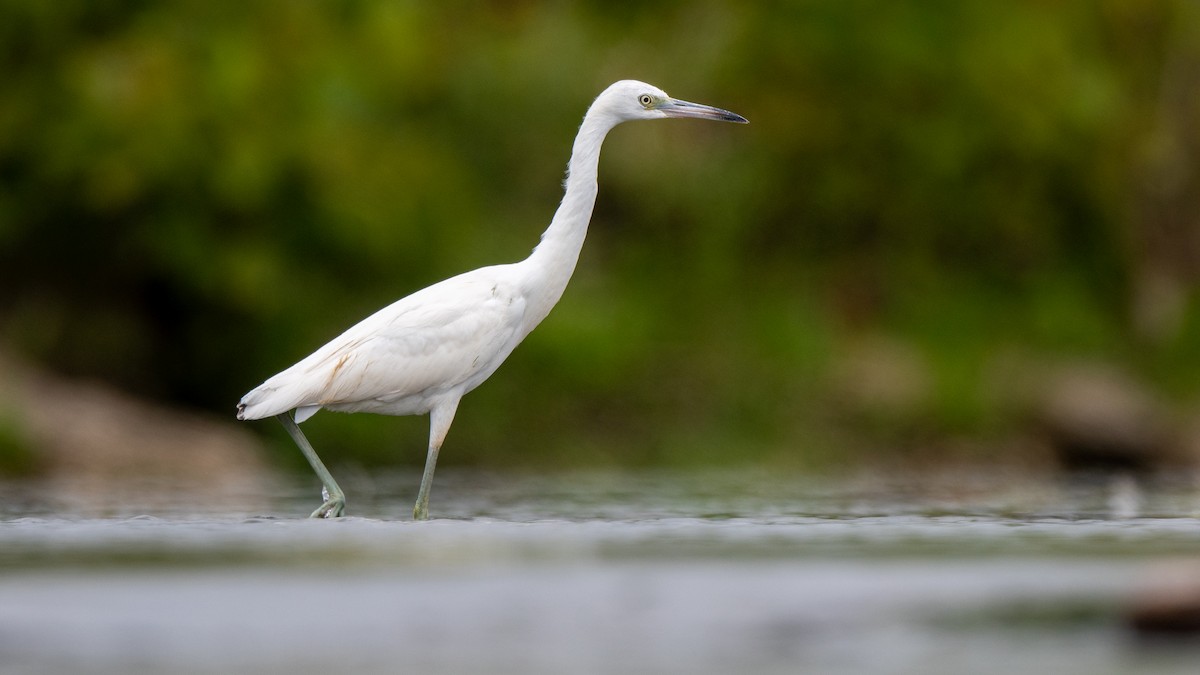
(597, 572)
(632, 495)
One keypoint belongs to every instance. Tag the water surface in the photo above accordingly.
(655, 572)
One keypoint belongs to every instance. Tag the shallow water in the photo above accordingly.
(602, 573)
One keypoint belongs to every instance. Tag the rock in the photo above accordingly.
(1098, 417)
(1167, 603)
(94, 447)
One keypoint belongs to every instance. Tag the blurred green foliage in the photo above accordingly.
(194, 195)
(17, 454)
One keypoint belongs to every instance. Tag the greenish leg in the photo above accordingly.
(335, 499)
(440, 418)
(421, 510)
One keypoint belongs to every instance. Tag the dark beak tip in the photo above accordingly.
(730, 116)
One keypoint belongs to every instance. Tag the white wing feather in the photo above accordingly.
(449, 336)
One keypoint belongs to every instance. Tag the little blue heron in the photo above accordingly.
(421, 354)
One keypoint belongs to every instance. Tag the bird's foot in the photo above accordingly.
(332, 508)
(421, 512)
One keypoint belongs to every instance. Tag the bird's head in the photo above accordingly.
(632, 100)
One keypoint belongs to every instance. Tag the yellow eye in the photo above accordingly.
(646, 100)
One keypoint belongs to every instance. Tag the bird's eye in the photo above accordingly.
(645, 100)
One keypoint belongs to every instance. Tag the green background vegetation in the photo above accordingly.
(934, 200)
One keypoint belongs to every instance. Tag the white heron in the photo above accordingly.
(422, 353)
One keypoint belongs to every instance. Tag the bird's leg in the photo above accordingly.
(421, 510)
(440, 418)
(335, 499)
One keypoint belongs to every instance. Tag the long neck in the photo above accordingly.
(551, 264)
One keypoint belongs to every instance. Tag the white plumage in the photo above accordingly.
(402, 359)
(422, 353)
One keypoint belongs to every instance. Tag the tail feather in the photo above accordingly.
(288, 390)
(262, 402)
(274, 397)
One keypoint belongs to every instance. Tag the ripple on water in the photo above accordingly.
(597, 575)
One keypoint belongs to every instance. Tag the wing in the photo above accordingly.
(434, 340)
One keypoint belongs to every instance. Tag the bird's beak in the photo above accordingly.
(673, 107)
